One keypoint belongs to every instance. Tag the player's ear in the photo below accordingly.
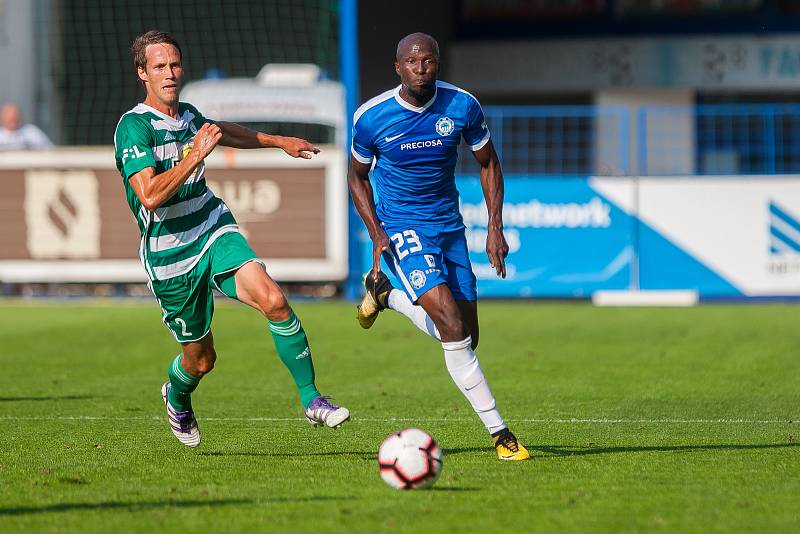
(397, 68)
(141, 73)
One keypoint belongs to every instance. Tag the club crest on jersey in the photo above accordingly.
(186, 149)
(417, 278)
(444, 126)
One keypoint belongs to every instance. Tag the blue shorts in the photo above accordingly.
(422, 257)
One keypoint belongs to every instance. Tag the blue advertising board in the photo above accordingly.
(565, 239)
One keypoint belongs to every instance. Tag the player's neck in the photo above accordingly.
(171, 110)
(417, 99)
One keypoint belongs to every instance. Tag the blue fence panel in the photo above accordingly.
(708, 139)
(717, 139)
(556, 141)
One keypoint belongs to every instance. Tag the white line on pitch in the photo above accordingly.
(418, 419)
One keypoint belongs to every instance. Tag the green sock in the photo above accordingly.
(181, 385)
(292, 346)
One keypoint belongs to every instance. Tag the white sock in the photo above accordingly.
(399, 301)
(462, 363)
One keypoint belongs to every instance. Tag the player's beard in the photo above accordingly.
(421, 93)
(170, 98)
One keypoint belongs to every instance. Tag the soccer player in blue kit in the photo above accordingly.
(412, 133)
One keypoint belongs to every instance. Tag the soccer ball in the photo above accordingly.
(410, 459)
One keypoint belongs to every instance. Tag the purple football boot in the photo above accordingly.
(183, 424)
(322, 411)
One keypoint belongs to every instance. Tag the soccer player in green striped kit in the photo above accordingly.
(190, 240)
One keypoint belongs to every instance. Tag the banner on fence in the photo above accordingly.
(65, 218)
(718, 236)
(565, 239)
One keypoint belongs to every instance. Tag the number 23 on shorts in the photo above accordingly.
(407, 239)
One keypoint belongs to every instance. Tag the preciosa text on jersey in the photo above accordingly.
(421, 144)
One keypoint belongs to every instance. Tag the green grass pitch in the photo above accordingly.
(639, 420)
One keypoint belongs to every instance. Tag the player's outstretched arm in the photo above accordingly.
(493, 189)
(238, 136)
(155, 189)
(363, 199)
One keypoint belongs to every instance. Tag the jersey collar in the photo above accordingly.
(179, 122)
(412, 107)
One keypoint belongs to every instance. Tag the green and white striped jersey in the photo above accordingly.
(176, 235)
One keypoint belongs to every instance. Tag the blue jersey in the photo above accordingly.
(415, 151)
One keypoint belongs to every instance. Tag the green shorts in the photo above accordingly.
(187, 301)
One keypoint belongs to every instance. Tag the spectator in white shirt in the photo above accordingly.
(17, 136)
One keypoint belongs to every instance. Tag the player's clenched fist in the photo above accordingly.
(206, 139)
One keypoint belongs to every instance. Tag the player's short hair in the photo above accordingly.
(139, 46)
(416, 37)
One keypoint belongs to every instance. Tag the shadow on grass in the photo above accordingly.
(313, 498)
(141, 506)
(117, 505)
(363, 455)
(462, 450)
(51, 398)
(451, 488)
(560, 450)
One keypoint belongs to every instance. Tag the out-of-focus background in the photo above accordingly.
(650, 147)
(651, 151)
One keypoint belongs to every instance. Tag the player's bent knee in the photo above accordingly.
(452, 329)
(204, 367)
(275, 307)
(201, 362)
(205, 363)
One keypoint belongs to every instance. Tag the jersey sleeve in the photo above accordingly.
(476, 133)
(363, 148)
(133, 142)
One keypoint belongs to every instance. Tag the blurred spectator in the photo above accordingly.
(17, 136)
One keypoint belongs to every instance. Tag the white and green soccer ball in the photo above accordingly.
(410, 459)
